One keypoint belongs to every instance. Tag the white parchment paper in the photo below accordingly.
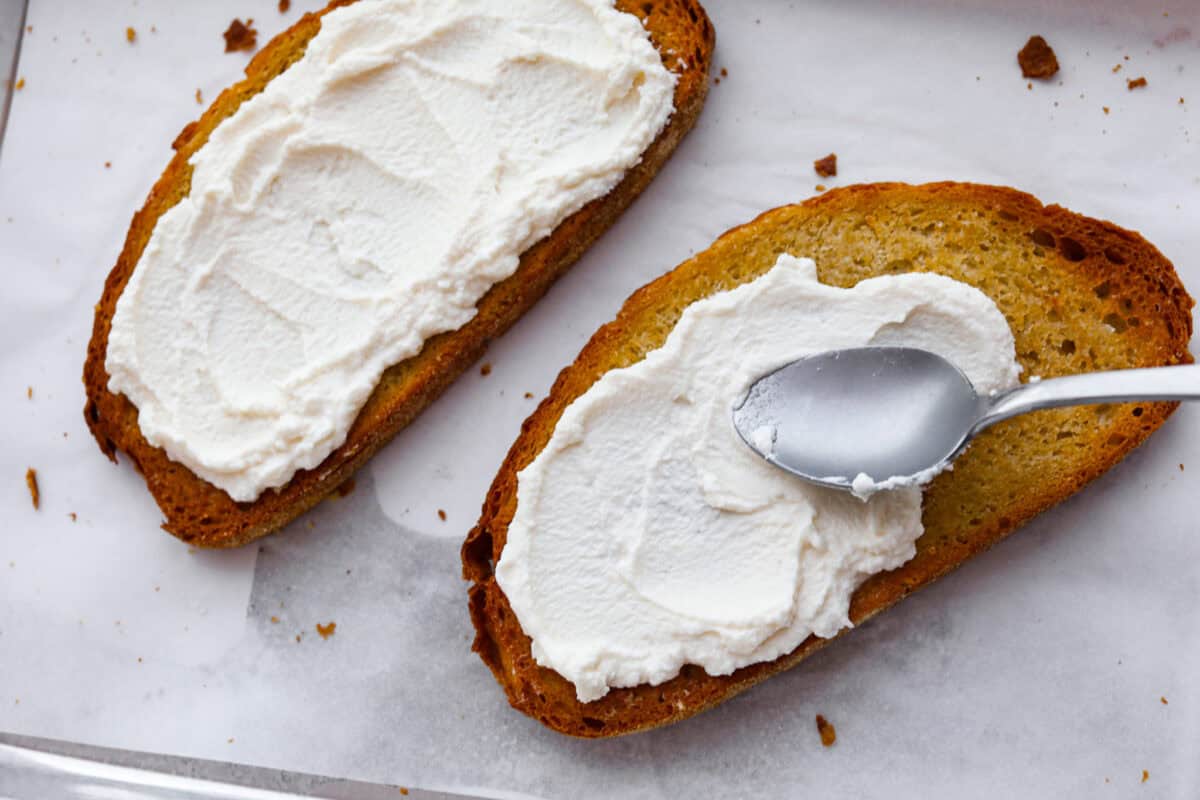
(1040, 669)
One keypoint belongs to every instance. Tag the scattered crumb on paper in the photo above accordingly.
(827, 731)
(326, 630)
(240, 36)
(1037, 59)
(826, 167)
(1136, 83)
(31, 482)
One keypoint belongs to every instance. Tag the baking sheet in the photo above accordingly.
(1040, 669)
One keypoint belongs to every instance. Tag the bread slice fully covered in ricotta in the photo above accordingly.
(689, 569)
(341, 234)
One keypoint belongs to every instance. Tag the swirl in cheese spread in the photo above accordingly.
(362, 203)
(647, 535)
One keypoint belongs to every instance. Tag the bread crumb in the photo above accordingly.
(199, 98)
(486, 369)
(825, 728)
(130, 35)
(1037, 59)
(139, 659)
(327, 629)
(31, 482)
(1145, 775)
(1163, 700)
(1116, 68)
(20, 84)
(826, 167)
(108, 165)
(231, 740)
(29, 392)
(346, 488)
(284, 5)
(528, 395)
(240, 36)
(724, 72)
(1181, 467)
(1136, 83)
(1181, 101)
(274, 620)
(441, 515)
(403, 790)
(1105, 109)
(73, 516)
(820, 187)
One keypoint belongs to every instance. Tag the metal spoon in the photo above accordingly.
(899, 412)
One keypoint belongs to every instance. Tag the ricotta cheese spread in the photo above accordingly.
(647, 535)
(362, 203)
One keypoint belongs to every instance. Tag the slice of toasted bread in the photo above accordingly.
(1080, 295)
(204, 515)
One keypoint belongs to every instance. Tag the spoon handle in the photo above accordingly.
(1117, 386)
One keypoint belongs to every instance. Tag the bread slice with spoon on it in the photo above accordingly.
(1079, 294)
(204, 515)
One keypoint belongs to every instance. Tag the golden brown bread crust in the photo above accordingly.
(1080, 295)
(203, 515)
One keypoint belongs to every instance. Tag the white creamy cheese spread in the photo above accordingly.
(361, 204)
(647, 535)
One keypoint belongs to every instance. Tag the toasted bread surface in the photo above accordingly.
(203, 515)
(1079, 294)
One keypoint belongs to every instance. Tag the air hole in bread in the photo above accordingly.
(593, 723)
(1115, 322)
(1114, 255)
(1137, 412)
(1103, 290)
(1007, 216)
(1071, 249)
(1067, 347)
(1042, 236)
(1116, 439)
